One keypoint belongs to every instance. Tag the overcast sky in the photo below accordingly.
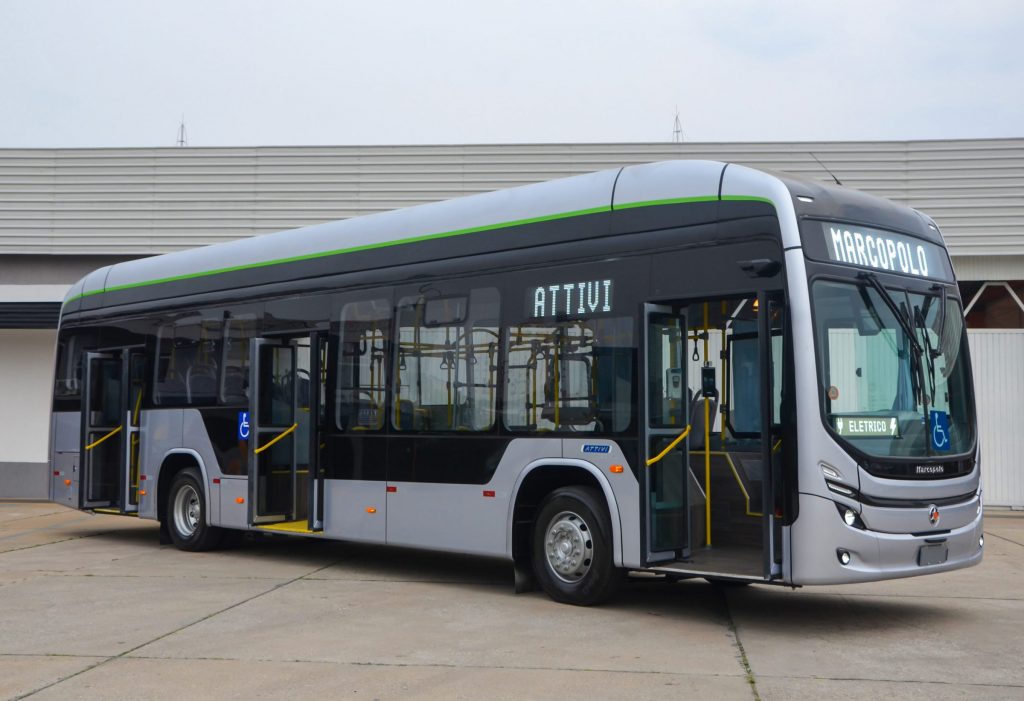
(122, 73)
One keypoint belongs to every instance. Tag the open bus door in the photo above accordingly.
(778, 437)
(285, 483)
(665, 463)
(111, 437)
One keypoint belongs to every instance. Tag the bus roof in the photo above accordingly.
(384, 239)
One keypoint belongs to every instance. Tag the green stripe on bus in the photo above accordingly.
(417, 239)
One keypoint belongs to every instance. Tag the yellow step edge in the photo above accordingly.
(287, 526)
(114, 512)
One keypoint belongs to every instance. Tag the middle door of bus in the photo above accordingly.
(284, 481)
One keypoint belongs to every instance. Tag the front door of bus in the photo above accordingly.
(111, 408)
(283, 443)
(666, 459)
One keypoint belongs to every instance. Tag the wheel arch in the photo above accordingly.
(174, 461)
(540, 478)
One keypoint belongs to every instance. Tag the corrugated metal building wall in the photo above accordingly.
(64, 211)
(139, 201)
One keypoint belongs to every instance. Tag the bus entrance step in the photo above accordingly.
(286, 527)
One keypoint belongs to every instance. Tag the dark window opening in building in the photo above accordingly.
(994, 305)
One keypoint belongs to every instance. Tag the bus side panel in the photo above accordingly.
(161, 433)
(355, 510)
(462, 518)
(227, 510)
(65, 427)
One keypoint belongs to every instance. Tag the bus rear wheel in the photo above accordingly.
(186, 514)
(572, 547)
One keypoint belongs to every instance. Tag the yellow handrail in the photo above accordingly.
(670, 446)
(736, 475)
(97, 442)
(276, 439)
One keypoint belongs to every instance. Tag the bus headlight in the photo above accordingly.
(850, 517)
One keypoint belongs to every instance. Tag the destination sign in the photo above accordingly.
(570, 299)
(859, 426)
(884, 250)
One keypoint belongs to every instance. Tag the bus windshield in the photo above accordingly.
(893, 386)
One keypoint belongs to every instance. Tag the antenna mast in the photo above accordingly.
(826, 168)
(677, 129)
(182, 134)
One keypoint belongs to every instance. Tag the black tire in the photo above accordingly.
(186, 514)
(573, 525)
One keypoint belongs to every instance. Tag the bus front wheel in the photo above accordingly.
(186, 514)
(572, 547)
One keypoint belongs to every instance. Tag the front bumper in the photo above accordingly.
(819, 533)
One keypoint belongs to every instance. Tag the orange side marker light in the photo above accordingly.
(142, 492)
(371, 509)
(616, 469)
(67, 483)
(239, 500)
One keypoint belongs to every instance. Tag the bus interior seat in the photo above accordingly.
(409, 419)
(200, 383)
(236, 385)
(171, 389)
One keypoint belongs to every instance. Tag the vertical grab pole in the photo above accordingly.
(707, 445)
(725, 368)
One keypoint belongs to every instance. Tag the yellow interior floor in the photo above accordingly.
(287, 526)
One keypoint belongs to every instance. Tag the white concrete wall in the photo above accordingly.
(26, 376)
(999, 384)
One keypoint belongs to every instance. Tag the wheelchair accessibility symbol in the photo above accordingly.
(243, 425)
(940, 430)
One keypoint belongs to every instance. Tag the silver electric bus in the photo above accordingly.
(691, 368)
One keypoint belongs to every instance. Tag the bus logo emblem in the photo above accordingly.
(592, 448)
(933, 515)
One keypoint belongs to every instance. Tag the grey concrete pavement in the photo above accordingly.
(93, 607)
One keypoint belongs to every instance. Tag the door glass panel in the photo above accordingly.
(666, 381)
(105, 413)
(105, 393)
(304, 388)
(137, 379)
(666, 478)
(276, 379)
(275, 485)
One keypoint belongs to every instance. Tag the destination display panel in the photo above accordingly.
(876, 250)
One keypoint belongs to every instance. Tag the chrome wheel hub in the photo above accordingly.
(569, 546)
(187, 510)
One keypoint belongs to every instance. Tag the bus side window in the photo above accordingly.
(570, 375)
(68, 381)
(187, 362)
(234, 380)
(447, 362)
(365, 335)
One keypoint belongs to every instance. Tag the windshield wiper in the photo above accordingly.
(904, 322)
(911, 334)
(932, 352)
